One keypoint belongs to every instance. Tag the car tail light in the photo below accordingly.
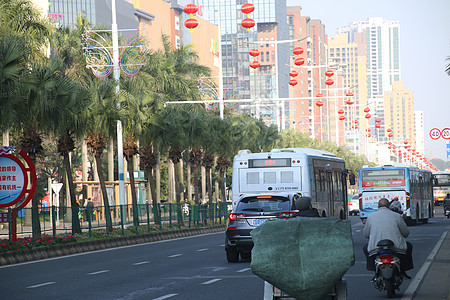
(386, 259)
(264, 197)
(235, 216)
(286, 215)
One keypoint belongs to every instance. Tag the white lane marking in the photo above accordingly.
(223, 245)
(98, 272)
(175, 255)
(39, 285)
(111, 249)
(416, 281)
(211, 281)
(200, 250)
(243, 270)
(140, 263)
(165, 297)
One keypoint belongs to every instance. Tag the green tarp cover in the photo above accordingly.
(304, 257)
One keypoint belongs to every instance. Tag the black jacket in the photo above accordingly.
(307, 213)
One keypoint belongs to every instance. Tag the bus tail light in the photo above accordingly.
(235, 216)
(360, 202)
(408, 200)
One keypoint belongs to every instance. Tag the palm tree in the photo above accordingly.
(21, 19)
(39, 97)
(12, 65)
(70, 123)
(103, 115)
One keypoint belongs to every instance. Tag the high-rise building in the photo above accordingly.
(420, 131)
(270, 80)
(399, 113)
(352, 57)
(381, 40)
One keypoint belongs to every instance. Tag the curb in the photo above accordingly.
(14, 257)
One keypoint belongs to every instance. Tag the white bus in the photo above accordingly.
(441, 186)
(310, 172)
(411, 185)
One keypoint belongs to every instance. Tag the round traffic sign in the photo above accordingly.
(446, 133)
(435, 133)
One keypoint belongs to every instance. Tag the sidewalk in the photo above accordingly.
(433, 279)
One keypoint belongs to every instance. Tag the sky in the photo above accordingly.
(424, 47)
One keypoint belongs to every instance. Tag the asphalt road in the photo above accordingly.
(188, 268)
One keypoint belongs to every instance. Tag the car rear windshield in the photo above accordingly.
(264, 204)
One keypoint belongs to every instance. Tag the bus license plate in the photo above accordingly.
(257, 222)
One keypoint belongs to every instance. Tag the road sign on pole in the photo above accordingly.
(445, 133)
(435, 133)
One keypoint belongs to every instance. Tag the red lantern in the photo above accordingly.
(247, 8)
(329, 81)
(299, 61)
(319, 95)
(298, 50)
(319, 103)
(329, 73)
(191, 9)
(369, 135)
(349, 94)
(255, 64)
(367, 116)
(355, 126)
(377, 125)
(248, 23)
(356, 121)
(389, 147)
(368, 130)
(341, 111)
(254, 52)
(293, 73)
(342, 118)
(366, 110)
(191, 24)
(349, 102)
(405, 142)
(293, 82)
(390, 134)
(390, 143)
(378, 120)
(389, 130)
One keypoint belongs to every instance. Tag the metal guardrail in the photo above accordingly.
(57, 220)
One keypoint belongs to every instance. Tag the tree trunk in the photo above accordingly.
(76, 228)
(210, 184)
(223, 185)
(177, 193)
(101, 178)
(196, 184)
(133, 191)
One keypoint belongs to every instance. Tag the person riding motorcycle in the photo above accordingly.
(304, 207)
(387, 224)
(446, 203)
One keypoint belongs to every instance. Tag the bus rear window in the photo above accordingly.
(383, 178)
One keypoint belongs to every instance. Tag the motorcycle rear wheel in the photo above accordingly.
(390, 288)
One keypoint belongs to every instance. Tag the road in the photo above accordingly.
(188, 268)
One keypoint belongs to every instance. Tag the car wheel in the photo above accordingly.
(232, 256)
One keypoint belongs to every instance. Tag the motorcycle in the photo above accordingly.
(447, 212)
(387, 269)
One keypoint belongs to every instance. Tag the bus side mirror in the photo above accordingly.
(351, 179)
